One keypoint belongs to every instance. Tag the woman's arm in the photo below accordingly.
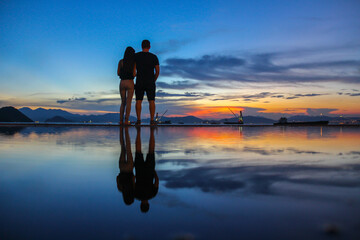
(119, 67)
(134, 70)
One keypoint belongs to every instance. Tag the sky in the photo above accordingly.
(266, 58)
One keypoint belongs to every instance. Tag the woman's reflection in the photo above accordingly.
(146, 179)
(126, 180)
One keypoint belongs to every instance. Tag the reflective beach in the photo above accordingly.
(214, 183)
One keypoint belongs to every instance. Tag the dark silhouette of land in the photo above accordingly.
(42, 115)
(58, 119)
(11, 114)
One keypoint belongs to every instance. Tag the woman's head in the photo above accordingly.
(129, 59)
(129, 53)
(125, 186)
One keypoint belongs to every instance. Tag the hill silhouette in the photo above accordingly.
(58, 119)
(41, 115)
(11, 114)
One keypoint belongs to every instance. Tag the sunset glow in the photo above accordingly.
(266, 59)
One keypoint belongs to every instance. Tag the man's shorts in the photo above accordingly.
(149, 89)
(144, 168)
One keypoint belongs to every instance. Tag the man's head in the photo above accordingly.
(145, 44)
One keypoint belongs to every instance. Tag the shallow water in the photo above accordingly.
(214, 183)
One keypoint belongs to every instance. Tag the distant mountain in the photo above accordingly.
(304, 118)
(41, 115)
(250, 120)
(11, 114)
(108, 117)
(57, 119)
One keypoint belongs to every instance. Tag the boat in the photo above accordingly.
(283, 122)
(240, 118)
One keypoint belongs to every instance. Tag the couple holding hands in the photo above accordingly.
(145, 66)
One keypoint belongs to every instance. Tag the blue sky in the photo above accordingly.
(270, 58)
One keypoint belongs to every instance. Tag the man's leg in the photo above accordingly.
(138, 109)
(150, 93)
(138, 140)
(139, 92)
(152, 109)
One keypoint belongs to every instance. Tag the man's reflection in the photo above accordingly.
(126, 180)
(146, 179)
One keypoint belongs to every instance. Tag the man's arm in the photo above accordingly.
(157, 72)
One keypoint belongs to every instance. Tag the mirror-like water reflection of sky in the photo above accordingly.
(214, 183)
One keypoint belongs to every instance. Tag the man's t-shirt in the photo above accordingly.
(145, 65)
(145, 188)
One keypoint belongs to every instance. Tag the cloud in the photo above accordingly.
(265, 68)
(257, 96)
(244, 97)
(101, 93)
(278, 96)
(200, 178)
(319, 111)
(262, 179)
(178, 162)
(353, 94)
(85, 100)
(297, 151)
(171, 45)
(262, 63)
(304, 95)
(74, 99)
(200, 95)
(208, 67)
(262, 151)
(177, 85)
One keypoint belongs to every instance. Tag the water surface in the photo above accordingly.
(214, 183)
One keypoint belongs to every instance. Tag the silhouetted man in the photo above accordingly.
(146, 64)
(146, 179)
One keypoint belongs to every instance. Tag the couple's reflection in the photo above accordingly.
(144, 184)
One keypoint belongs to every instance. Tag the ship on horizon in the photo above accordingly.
(284, 122)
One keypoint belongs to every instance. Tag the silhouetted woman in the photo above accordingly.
(126, 180)
(126, 72)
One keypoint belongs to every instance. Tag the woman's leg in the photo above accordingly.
(130, 93)
(123, 101)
